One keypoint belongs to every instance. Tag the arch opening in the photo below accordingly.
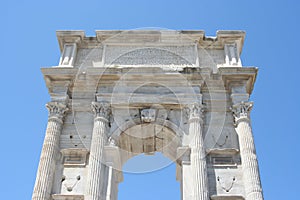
(159, 184)
(146, 150)
(148, 139)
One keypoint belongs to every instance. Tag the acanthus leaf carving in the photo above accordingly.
(101, 109)
(241, 110)
(194, 111)
(56, 110)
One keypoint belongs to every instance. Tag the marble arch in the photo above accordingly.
(81, 159)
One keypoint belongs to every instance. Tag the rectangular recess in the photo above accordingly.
(222, 160)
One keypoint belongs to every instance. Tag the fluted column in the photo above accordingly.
(198, 157)
(46, 169)
(95, 186)
(241, 112)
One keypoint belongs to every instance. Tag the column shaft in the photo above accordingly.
(198, 159)
(95, 185)
(46, 169)
(251, 176)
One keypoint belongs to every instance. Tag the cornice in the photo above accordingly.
(152, 38)
(230, 75)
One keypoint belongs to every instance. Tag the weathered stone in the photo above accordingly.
(45, 174)
(175, 92)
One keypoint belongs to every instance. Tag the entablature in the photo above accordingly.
(66, 81)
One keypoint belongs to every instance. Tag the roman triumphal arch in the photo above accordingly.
(124, 93)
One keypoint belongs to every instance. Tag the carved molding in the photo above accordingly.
(223, 160)
(101, 110)
(241, 111)
(56, 110)
(74, 157)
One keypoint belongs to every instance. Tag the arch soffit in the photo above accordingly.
(137, 121)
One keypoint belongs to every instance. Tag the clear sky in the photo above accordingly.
(29, 42)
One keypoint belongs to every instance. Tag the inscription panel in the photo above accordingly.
(166, 55)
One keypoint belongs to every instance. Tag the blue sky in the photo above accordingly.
(29, 42)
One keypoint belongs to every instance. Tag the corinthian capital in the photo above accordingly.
(242, 110)
(101, 109)
(56, 110)
(194, 111)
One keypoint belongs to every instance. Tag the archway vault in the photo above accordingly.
(135, 137)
